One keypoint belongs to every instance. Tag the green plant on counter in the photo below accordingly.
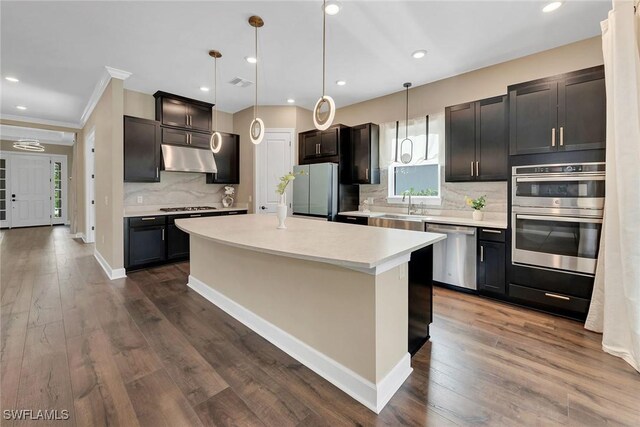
(413, 192)
(285, 180)
(477, 204)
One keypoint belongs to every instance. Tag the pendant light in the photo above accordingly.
(256, 129)
(216, 139)
(406, 157)
(28, 145)
(322, 121)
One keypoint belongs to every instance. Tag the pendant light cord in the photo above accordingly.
(324, 42)
(215, 93)
(255, 106)
(406, 118)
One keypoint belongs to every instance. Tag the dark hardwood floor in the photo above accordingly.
(147, 351)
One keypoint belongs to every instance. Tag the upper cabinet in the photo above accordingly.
(560, 113)
(227, 161)
(364, 154)
(476, 141)
(177, 111)
(142, 157)
(323, 146)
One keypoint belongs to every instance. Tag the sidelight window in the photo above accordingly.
(57, 189)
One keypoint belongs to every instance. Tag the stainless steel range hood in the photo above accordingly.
(187, 159)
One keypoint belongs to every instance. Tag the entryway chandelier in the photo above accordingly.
(322, 120)
(256, 129)
(216, 139)
(28, 145)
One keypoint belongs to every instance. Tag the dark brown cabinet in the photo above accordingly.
(560, 113)
(185, 137)
(227, 161)
(177, 111)
(364, 154)
(476, 141)
(491, 261)
(142, 157)
(323, 146)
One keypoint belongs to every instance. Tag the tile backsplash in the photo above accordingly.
(174, 188)
(453, 194)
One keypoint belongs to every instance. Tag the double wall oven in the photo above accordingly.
(556, 216)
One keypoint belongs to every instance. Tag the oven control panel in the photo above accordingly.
(560, 169)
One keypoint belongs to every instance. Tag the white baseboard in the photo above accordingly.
(373, 396)
(117, 273)
(78, 236)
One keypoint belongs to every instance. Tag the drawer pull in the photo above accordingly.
(233, 213)
(194, 215)
(484, 230)
(151, 218)
(352, 218)
(546, 294)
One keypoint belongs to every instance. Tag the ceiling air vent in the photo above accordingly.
(240, 82)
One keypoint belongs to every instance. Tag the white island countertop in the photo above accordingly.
(369, 249)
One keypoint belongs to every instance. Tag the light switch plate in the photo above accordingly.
(139, 199)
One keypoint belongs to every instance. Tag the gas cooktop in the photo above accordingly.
(188, 209)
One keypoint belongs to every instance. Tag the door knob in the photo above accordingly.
(263, 207)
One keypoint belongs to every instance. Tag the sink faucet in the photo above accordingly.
(410, 209)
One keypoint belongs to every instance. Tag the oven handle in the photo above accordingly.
(560, 218)
(561, 178)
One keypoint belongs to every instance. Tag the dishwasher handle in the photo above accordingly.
(470, 231)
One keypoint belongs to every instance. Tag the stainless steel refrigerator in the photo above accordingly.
(315, 194)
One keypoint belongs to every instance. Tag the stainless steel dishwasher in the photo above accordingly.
(454, 259)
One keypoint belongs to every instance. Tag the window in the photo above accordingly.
(421, 175)
(57, 189)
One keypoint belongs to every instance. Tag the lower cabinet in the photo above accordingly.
(145, 242)
(348, 219)
(491, 261)
(155, 240)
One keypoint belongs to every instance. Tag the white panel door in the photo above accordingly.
(30, 190)
(273, 158)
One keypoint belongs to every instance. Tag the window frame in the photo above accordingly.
(391, 172)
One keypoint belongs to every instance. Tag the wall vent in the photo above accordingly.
(240, 82)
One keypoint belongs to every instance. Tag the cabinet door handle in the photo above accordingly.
(547, 294)
(151, 218)
(477, 168)
(553, 137)
(366, 173)
(186, 117)
(157, 172)
(561, 136)
(163, 234)
(484, 230)
(471, 168)
(481, 253)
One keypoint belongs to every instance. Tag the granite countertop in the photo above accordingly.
(438, 219)
(156, 212)
(360, 248)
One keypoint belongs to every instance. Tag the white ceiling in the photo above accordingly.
(59, 49)
(16, 133)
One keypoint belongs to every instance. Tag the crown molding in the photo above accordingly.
(33, 120)
(108, 74)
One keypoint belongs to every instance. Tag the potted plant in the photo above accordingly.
(477, 205)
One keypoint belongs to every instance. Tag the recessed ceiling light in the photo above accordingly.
(250, 59)
(419, 54)
(21, 107)
(204, 88)
(12, 79)
(291, 100)
(552, 6)
(341, 82)
(331, 7)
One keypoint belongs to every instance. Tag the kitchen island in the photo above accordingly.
(333, 296)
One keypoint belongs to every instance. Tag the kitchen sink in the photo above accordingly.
(403, 222)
